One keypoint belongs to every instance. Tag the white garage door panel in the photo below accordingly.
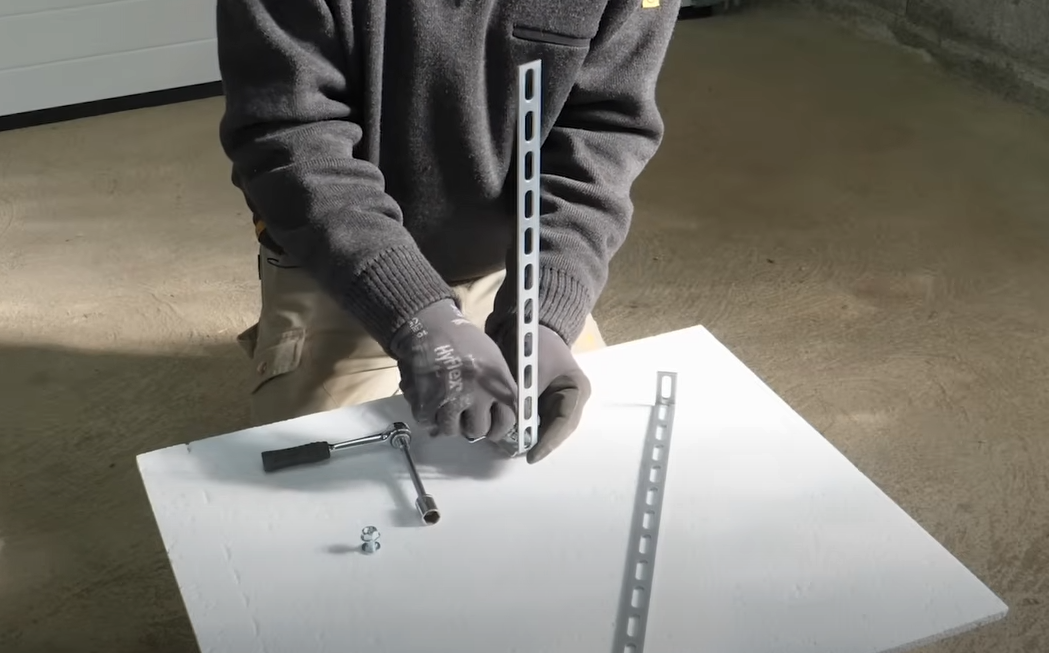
(59, 52)
(53, 36)
(107, 76)
(14, 7)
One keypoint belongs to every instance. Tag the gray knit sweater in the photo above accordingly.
(374, 140)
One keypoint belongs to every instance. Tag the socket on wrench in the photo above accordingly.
(402, 439)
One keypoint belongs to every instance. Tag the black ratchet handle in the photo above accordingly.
(305, 454)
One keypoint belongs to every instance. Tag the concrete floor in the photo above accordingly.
(868, 233)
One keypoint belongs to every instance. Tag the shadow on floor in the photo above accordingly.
(82, 566)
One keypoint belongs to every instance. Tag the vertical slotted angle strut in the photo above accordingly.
(632, 618)
(529, 138)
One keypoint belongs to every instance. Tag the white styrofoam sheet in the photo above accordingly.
(771, 541)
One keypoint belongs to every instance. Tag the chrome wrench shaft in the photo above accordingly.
(316, 452)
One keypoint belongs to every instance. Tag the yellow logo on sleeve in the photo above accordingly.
(649, 4)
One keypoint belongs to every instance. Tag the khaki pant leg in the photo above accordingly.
(309, 354)
(478, 299)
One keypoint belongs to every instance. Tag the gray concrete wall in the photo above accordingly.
(1004, 44)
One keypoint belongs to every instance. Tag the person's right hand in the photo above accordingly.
(453, 375)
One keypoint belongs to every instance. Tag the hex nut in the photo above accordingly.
(370, 539)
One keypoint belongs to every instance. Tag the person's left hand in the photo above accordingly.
(562, 386)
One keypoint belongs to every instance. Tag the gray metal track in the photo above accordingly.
(529, 105)
(632, 618)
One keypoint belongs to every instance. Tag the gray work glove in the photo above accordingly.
(453, 375)
(562, 386)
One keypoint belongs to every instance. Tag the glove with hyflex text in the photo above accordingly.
(453, 375)
(563, 389)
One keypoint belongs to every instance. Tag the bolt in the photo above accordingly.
(370, 539)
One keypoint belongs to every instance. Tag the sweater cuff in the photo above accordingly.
(392, 289)
(564, 303)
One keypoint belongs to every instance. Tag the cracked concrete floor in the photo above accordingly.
(868, 233)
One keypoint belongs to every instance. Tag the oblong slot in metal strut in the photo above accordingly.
(632, 618)
(529, 104)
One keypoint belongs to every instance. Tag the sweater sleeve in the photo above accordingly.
(291, 128)
(608, 130)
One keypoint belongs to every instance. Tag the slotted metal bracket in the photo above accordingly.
(529, 104)
(632, 618)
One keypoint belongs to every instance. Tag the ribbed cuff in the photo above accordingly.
(398, 284)
(564, 303)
